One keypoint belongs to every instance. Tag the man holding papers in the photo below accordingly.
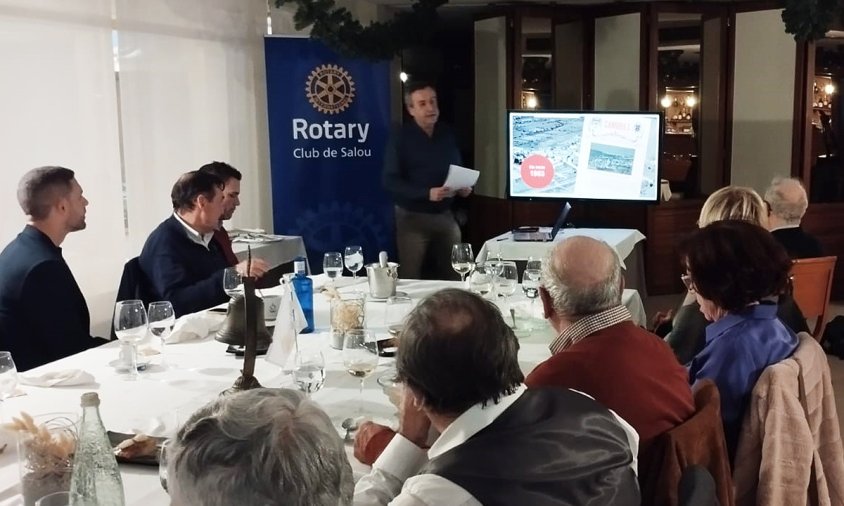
(416, 166)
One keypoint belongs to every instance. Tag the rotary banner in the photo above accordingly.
(329, 120)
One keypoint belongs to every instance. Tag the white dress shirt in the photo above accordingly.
(393, 479)
(193, 235)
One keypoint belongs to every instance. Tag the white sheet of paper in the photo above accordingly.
(461, 177)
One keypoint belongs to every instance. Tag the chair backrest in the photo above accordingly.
(697, 441)
(133, 285)
(811, 279)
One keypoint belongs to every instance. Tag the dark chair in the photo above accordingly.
(697, 488)
(133, 285)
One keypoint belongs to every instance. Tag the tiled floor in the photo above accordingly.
(836, 365)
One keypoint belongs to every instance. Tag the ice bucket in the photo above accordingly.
(382, 280)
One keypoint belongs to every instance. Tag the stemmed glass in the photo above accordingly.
(481, 279)
(232, 282)
(130, 326)
(531, 280)
(360, 358)
(397, 309)
(506, 283)
(462, 259)
(161, 322)
(354, 260)
(8, 376)
(309, 374)
(332, 265)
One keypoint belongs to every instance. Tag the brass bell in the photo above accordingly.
(233, 331)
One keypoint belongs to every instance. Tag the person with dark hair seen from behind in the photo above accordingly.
(733, 268)
(180, 258)
(787, 204)
(43, 314)
(259, 447)
(415, 167)
(458, 363)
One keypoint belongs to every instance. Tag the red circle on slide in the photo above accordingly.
(537, 171)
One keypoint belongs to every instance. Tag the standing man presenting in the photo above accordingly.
(415, 168)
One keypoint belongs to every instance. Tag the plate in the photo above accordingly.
(384, 299)
(115, 438)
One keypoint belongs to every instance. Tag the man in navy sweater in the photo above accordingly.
(180, 258)
(43, 314)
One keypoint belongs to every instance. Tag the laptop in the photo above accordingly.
(536, 235)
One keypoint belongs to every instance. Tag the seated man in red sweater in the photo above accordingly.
(599, 350)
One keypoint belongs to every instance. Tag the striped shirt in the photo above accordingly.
(589, 325)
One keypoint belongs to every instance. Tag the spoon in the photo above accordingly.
(513, 316)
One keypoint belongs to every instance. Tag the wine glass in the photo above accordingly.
(162, 464)
(494, 260)
(506, 283)
(161, 322)
(232, 282)
(481, 279)
(332, 265)
(309, 374)
(531, 279)
(130, 326)
(8, 375)
(354, 260)
(360, 358)
(462, 259)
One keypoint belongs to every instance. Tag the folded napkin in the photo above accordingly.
(195, 326)
(66, 378)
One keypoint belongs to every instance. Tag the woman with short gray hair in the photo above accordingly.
(260, 447)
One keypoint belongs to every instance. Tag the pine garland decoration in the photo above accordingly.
(339, 30)
(810, 19)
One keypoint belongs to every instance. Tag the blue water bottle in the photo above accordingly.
(304, 287)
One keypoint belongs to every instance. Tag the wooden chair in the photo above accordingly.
(811, 280)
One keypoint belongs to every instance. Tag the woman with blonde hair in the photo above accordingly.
(687, 332)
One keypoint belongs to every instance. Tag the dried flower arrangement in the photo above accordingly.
(46, 452)
(346, 314)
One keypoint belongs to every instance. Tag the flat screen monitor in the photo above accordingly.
(585, 155)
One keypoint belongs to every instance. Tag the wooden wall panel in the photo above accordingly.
(667, 223)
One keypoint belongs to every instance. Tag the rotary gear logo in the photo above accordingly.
(330, 89)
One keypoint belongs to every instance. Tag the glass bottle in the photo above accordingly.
(304, 287)
(96, 479)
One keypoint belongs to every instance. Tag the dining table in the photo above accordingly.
(193, 368)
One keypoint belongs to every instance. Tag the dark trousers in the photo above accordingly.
(425, 240)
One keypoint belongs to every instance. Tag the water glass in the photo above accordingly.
(232, 282)
(481, 279)
(354, 259)
(56, 499)
(8, 376)
(332, 265)
(130, 326)
(462, 259)
(309, 374)
(162, 318)
(162, 464)
(531, 280)
(397, 309)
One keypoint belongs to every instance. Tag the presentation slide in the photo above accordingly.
(583, 155)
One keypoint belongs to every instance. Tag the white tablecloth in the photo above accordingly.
(276, 252)
(199, 370)
(623, 240)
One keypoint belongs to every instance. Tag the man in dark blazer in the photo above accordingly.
(181, 259)
(43, 314)
(787, 203)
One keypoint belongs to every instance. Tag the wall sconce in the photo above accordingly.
(403, 77)
(666, 102)
(532, 102)
(691, 101)
(829, 89)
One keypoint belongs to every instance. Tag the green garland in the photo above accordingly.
(809, 19)
(380, 40)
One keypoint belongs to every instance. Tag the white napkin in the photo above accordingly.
(194, 326)
(65, 378)
(288, 323)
